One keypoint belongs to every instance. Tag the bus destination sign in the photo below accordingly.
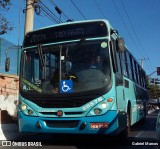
(66, 33)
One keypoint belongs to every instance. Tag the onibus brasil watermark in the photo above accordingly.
(17, 143)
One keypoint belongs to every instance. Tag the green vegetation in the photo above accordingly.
(4, 24)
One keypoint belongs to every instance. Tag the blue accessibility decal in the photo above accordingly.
(66, 86)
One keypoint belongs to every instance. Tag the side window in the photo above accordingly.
(140, 75)
(136, 72)
(132, 68)
(143, 79)
(118, 58)
(125, 64)
(129, 65)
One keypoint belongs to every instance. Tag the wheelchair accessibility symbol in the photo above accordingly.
(66, 86)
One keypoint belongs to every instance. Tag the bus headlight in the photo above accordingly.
(23, 107)
(97, 111)
(26, 109)
(104, 105)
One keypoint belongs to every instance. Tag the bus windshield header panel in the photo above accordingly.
(66, 33)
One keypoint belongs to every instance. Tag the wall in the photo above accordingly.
(9, 85)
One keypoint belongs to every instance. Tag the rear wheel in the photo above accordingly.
(124, 134)
(129, 119)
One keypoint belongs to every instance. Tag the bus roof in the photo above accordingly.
(74, 22)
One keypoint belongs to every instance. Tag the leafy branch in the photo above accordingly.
(4, 24)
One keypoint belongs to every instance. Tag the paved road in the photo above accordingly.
(142, 136)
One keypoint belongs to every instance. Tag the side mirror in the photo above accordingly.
(7, 64)
(120, 45)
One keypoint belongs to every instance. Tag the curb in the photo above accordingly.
(5, 118)
(8, 131)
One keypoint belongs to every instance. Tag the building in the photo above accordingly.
(9, 81)
(155, 81)
(8, 49)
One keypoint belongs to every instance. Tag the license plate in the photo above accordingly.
(98, 125)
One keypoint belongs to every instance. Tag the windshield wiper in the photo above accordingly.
(39, 47)
(42, 59)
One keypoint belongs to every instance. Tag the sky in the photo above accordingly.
(137, 21)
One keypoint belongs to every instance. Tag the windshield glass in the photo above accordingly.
(70, 68)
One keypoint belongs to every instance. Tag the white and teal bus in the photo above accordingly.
(79, 78)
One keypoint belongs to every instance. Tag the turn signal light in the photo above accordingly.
(109, 100)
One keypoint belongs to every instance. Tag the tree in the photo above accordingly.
(4, 24)
(153, 90)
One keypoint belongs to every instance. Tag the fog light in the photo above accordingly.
(38, 125)
(97, 111)
(23, 107)
(104, 105)
(30, 112)
(83, 125)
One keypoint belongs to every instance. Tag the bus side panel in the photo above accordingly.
(137, 111)
(130, 99)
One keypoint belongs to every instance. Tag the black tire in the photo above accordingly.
(123, 135)
(129, 119)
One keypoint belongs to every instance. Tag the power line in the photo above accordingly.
(126, 27)
(123, 21)
(134, 30)
(49, 13)
(100, 10)
(54, 4)
(132, 25)
(23, 10)
(78, 10)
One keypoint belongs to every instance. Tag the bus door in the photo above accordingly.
(120, 92)
(119, 80)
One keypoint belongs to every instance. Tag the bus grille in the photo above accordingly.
(63, 102)
(62, 124)
(66, 113)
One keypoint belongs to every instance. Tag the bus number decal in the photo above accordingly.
(37, 38)
(92, 103)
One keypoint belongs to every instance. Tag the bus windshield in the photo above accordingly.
(85, 63)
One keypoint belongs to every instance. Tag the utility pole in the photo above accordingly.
(29, 16)
(142, 61)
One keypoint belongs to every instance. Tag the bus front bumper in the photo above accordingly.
(104, 124)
